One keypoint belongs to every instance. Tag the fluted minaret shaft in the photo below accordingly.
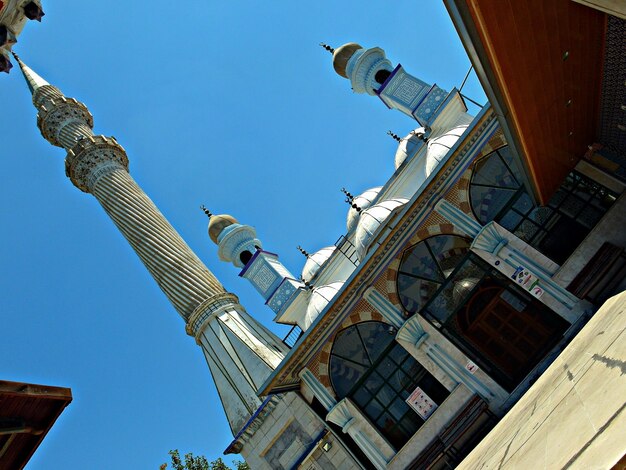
(99, 165)
(178, 271)
(240, 352)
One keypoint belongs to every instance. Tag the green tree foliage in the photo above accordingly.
(200, 463)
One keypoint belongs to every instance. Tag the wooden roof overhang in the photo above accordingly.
(404, 224)
(27, 412)
(540, 63)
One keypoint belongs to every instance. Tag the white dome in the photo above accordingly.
(370, 221)
(320, 297)
(438, 147)
(315, 262)
(363, 201)
(408, 146)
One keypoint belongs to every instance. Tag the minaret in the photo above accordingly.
(240, 352)
(369, 71)
(237, 244)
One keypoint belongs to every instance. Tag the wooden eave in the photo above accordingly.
(541, 61)
(27, 412)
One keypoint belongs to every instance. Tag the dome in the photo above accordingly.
(370, 221)
(438, 147)
(320, 297)
(218, 223)
(363, 201)
(315, 262)
(342, 55)
(409, 146)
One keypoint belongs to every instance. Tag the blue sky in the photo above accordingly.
(229, 104)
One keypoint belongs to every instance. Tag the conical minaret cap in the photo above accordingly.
(33, 80)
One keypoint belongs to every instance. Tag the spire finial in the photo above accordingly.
(395, 137)
(33, 80)
(303, 251)
(206, 211)
(327, 47)
(350, 200)
(349, 197)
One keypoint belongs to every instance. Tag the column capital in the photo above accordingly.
(411, 333)
(92, 157)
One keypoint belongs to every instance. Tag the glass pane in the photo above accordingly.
(418, 260)
(376, 338)
(386, 395)
(487, 203)
(386, 367)
(572, 206)
(362, 396)
(348, 345)
(589, 217)
(448, 250)
(414, 293)
(373, 409)
(510, 220)
(373, 383)
(557, 199)
(386, 423)
(399, 381)
(541, 215)
(524, 204)
(526, 231)
(491, 170)
(398, 354)
(505, 154)
(344, 375)
(398, 408)
(455, 291)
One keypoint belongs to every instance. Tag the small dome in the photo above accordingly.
(409, 145)
(218, 223)
(315, 262)
(370, 221)
(342, 55)
(438, 147)
(363, 201)
(320, 297)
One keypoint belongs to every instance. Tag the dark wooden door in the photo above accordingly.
(510, 332)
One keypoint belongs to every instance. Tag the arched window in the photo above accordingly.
(497, 193)
(494, 185)
(425, 266)
(378, 374)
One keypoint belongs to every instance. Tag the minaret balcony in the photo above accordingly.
(56, 114)
(92, 157)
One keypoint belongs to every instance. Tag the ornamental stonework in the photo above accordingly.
(58, 113)
(91, 154)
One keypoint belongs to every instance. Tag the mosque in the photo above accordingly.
(459, 281)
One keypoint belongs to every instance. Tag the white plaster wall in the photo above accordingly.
(295, 412)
